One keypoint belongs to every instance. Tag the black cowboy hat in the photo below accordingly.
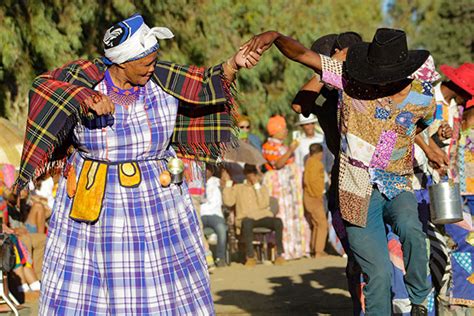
(324, 44)
(327, 44)
(385, 60)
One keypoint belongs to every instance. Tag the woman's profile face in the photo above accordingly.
(139, 71)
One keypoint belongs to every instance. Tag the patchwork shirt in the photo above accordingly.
(377, 138)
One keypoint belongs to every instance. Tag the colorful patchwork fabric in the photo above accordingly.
(381, 113)
(460, 231)
(464, 260)
(466, 162)
(56, 106)
(427, 72)
(379, 135)
(462, 291)
(389, 184)
(384, 150)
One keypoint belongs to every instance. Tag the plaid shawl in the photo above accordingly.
(204, 127)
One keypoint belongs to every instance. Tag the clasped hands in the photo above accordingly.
(247, 57)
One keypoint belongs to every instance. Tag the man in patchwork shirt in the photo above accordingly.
(380, 111)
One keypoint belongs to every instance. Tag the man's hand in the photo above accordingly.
(259, 43)
(296, 108)
(100, 104)
(437, 157)
(445, 131)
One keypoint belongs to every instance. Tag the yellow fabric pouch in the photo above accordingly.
(129, 175)
(90, 192)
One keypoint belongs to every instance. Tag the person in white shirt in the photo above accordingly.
(308, 124)
(211, 214)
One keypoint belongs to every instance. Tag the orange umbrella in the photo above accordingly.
(11, 143)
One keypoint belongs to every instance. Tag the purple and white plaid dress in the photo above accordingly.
(144, 255)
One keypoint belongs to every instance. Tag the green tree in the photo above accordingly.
(39, 35)
(443, 27)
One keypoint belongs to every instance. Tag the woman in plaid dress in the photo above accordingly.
(120, 242)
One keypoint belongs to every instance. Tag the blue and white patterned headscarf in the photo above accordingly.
(132, 39)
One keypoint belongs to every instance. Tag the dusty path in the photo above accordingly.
(301, 287)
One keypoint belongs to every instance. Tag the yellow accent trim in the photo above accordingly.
(129, 174)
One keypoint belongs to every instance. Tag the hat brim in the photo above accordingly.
(359, 68)
(450, 72)
(306, 122)
(324, 44)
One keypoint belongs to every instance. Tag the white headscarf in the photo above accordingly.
(132, 39)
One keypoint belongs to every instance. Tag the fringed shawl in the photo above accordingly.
(204, 127)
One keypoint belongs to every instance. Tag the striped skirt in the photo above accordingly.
(144, 255)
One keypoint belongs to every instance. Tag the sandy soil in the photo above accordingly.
(300, 287)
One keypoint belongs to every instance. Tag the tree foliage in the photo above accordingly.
(444, 27)
(39, 35)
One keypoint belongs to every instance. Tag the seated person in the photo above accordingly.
(31, 214)
(27, 278)
(211, 214)
(44, 193)
(252, 206)
(27, 222)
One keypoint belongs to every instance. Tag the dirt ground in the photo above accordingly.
(300, 287)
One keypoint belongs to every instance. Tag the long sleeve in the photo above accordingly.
(55, 107)
(263, 198)
(332, 72)
(213, 204)
(204, 126)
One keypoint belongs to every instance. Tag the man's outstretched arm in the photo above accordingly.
(288, 46)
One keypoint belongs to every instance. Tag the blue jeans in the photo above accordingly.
(369, 245)
(219, 226)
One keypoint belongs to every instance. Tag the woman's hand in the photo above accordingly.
(259, 43)
(100, 104)
(246, 62)
(232, 66)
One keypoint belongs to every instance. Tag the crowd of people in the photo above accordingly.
(126, 234)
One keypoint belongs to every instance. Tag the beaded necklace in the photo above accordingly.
(123, 97)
